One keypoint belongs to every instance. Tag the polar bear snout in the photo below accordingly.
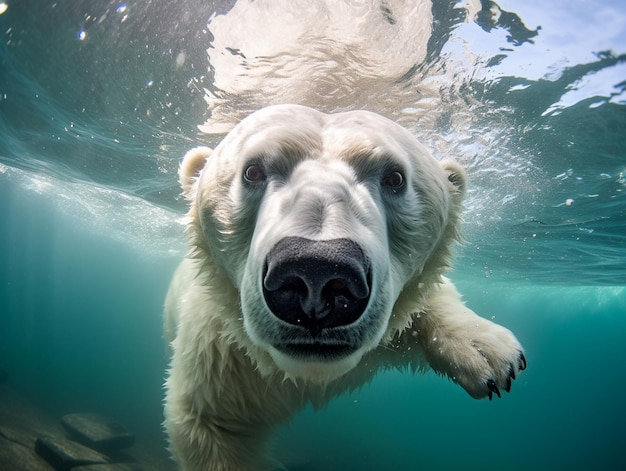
(317, 284)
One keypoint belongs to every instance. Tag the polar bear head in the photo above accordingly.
(332, 229)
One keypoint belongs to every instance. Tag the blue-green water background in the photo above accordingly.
(91, 134)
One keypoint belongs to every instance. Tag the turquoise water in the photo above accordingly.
(99, 101)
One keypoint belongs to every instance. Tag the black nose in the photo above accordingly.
(316, 284)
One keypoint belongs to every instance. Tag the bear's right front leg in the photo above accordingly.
(201, 442)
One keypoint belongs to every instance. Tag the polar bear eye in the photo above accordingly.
(254, 173)
(393, 180)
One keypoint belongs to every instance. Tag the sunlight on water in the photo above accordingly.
(105, 211)
(594, 84)
(494, 89)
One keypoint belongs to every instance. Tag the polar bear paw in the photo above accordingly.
(490, 364)
(477, 354)
(509, 376)
(482, 357)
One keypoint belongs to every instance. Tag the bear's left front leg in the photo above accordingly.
(478, 354)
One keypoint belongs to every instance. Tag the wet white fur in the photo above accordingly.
(227, 385)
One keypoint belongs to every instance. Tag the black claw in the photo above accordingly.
(511, 372)
(491, 384)
(507, 388)
(522, 362)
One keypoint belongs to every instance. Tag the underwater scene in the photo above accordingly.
(99, 102)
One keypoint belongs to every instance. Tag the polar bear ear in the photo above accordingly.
(457, 177)
(190, 169)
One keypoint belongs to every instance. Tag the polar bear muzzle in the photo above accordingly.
(317, 284)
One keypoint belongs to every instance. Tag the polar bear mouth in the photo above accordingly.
(316, 351)
(318, 286)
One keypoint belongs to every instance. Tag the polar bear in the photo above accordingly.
(319, 243)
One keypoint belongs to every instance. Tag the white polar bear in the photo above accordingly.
(319, 243)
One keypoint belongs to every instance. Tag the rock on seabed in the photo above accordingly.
(65, 455)
(32, 440)
(95, 431)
